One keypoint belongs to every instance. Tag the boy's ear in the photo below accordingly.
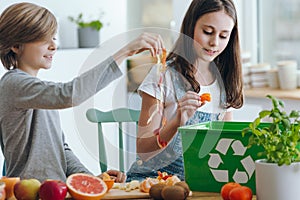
(16, 49)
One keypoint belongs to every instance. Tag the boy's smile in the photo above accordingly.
(35, 55)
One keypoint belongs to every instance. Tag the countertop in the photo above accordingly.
(195, 196)
(262, 92)
(208, 196)
(201, 196)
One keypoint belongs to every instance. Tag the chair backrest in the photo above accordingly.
(4, 168)
(120, 116)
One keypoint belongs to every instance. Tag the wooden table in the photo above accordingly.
(136, 195)
(139, 195)
(208, 196)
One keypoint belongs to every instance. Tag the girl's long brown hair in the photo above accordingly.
(228, 62)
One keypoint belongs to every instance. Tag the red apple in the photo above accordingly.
(27, 189)
(53, 189)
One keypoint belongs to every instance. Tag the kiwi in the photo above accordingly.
(155, 191)
(173, 192)
(185, 186)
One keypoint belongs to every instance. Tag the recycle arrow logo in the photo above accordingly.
(239, 150)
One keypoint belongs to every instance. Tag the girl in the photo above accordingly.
(205, 58)
(31, 137)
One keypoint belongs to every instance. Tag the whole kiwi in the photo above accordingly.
(185, 186)
(155, 191)
(173, 192)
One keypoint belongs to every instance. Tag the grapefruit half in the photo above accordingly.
(86, 186)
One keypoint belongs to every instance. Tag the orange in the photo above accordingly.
(108, 181)
(109, 184)
(2, 191)
(172, 180)
(240, 193)
(86, 186)
(146, 184)
(226, 188)
(205, 97)
(105, 176)
(9, 185)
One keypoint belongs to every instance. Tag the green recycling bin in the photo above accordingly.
(215, 153)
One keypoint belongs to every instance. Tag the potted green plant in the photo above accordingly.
(88, 31)
(277, 176)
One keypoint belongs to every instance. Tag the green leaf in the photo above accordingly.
(281, 139)
(281, 103)
(294, 114)
(256, 122)
(94, 24)
(264, 113)
(286, 124)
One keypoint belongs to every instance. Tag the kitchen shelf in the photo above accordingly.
(262, 92)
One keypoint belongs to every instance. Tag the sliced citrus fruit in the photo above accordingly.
(106, 176)
(9, 185)
(146, 184)
(109, 184)
(85, 186)
(172, 180)
(108, 180)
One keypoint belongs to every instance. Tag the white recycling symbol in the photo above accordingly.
(239, 150)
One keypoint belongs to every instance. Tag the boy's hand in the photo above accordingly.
(118, 176)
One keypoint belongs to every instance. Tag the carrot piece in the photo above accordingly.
(205, 97)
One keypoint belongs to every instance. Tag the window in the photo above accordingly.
(271, 30)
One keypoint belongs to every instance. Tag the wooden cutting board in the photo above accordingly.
(122, 194)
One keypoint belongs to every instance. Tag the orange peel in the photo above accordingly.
(205, 97)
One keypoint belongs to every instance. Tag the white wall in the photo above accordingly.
(179, 9)
(114, 19)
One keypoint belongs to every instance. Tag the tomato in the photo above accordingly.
(225, 190)
(240, 193)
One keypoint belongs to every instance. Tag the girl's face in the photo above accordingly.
(211, 35)
(35, 55)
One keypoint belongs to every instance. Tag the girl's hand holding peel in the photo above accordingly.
(187, 106)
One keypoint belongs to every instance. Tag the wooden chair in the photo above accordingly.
(120, 116)
(4, 169)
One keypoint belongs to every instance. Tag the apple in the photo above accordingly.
(53, 189)
(27, 189)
